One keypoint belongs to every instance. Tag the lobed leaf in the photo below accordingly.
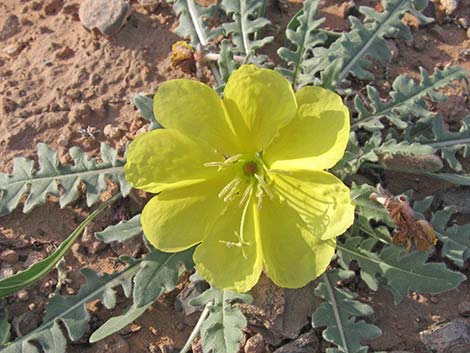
(303, 34)
(221, 331)
(144, 104)
(400, 273)
(34, 273)
(406, 99)
(247, 21)
(158, 274)
(71, 313)
(38, 184)
(450, 143)
(122, 231)
(339, 314)
(456, 238)
(353, 51)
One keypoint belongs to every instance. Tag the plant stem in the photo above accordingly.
(197, 328)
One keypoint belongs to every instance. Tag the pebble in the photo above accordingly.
(463, 22)
(10, 27)
(33, 257)
(306, 343)
(6, 271)
(14, 49)
(255, 344)
(112, 132)
(64, 53)
(107, 16)
(468, 33)
(9, 105)
(439, 33)
(9, 256)
(22, 295)
(443, 338)
(63, 140)
(52, 7)
(449, 6)
(464, 308)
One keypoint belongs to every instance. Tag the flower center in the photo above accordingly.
(251, 178)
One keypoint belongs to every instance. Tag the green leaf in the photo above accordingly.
(227, 64)
(248, 20)
(159, 274)
(449, 143)
(38, 184)
(339, 314)
(399, 272)
(117, 323)
(71, 312)
(303, 34)
(145, 106)
(4, 327)
(192, 21)
(34, 273)
(221, 331)
(122, 231)
(352, 52)
(407, 99)
(456, 239)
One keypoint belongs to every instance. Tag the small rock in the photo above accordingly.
(112, 132)
(468, 33)
(107, 16)
(10, 27)
(255, 344)
(9, 256)
(22, 295)
(6, 271)
(449, 6)
(464, 308)
(463, 22)
(306, 343)
(419, 45)
(15, 48)
(191, 291)
(9, 105)
(442, 338)
(26, 323)
(33, 257)
(114, 344)
(439, 33)
(52, 7)
(63, 140)
(64, 53)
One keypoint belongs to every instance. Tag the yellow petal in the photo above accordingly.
(259, 103)
(316, 138)
(178, 219)
(230, 267)
(293, 256)
(320, 199)
(166, 158)
(195, 110)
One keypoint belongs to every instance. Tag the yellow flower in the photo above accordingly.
(244, 178)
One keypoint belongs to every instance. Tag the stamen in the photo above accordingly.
(246, 194)
(265, 186)
(279, 171)
(229, 188)
(227, 163)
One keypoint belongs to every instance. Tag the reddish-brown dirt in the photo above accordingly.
(57, 80)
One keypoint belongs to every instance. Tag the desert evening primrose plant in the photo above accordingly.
(243, 176)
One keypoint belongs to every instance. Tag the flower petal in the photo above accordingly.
(230, 267)
(178, 219)
(195, 110)
(316, 138)
(320, 199)
(293, 256)
(166, 158)
(259, 102)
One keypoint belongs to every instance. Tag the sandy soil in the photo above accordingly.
(57, 80)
